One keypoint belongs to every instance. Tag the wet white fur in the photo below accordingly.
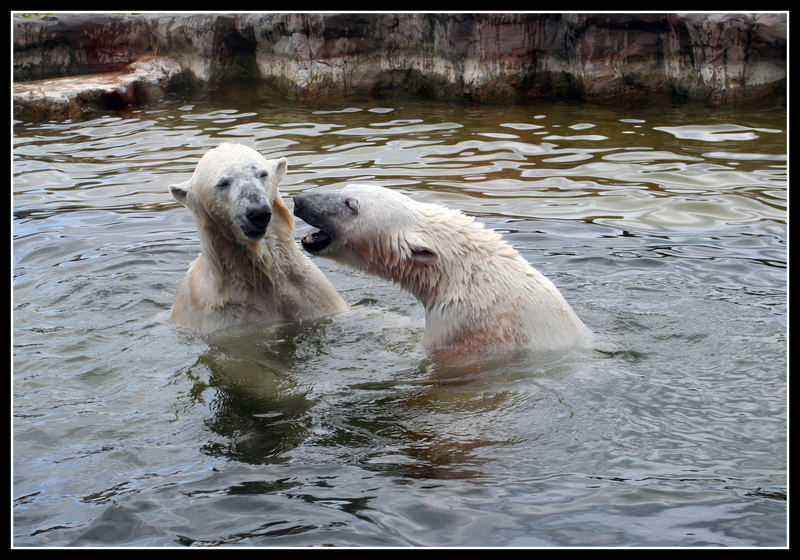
(234, 280)
(478, 292)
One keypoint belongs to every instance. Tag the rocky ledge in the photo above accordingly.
(65, 62)
(139, 83)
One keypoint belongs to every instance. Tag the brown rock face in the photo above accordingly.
(713, 58)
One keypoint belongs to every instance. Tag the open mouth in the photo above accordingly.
(314, 209)
(315, 241)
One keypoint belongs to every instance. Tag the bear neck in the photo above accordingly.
(472, 269)
(240, 266)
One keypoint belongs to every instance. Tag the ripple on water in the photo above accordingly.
(665, 228)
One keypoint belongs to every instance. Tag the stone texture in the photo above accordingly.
(142, 82)
(73, 44)
(713, 58)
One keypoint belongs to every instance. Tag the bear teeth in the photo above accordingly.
(316, 240)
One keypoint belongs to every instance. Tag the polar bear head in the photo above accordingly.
(363, 225)
(233, 192)
(430, 250)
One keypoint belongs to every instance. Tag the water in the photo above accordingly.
(664, 227)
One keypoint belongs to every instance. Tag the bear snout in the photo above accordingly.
(316, 208)
(256, 221)
(301, 204)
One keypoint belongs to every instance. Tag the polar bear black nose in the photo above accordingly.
(254, 220)
(258, 216)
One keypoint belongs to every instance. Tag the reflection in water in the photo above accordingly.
(264, 405)
(259, 419)
(664, 227)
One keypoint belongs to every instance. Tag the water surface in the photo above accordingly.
(664, 227)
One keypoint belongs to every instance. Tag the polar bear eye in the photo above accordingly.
(352, 204)
(223, 183)
(263, 174)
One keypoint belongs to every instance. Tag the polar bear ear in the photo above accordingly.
(423, 256)
(421, 252)
(180, 191)
(281, 165)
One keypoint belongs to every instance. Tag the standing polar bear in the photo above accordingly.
(250, 270)
(479, 293)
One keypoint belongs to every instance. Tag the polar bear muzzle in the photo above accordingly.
(255, 222)
(317, 210)
(251, 210)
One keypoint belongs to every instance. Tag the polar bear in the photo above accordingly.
(250, 270)
(479, 294)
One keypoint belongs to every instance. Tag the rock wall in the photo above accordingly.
(712, 58)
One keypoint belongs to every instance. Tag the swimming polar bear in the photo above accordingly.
(250, 270)
(479, 293)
